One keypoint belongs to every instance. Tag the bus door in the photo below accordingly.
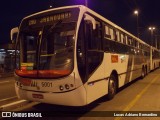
(94, 57)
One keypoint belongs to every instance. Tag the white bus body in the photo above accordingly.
(102, 57)
(155, 63)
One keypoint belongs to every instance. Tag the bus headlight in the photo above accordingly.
(67, 86)
(61, 88)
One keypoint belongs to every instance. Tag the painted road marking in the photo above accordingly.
(133, 102)
(8, 98)
(12, 105)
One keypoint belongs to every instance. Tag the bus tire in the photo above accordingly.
(146, 69)
(112, 87)
(143, 73)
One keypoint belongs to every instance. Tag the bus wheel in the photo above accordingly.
(112, 87)
(143, 73)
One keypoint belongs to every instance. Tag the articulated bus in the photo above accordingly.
(155, 63)
(73, 56)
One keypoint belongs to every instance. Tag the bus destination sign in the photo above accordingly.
(50, 18)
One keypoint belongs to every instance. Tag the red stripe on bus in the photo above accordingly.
(25, 73)
(43, 73)
(53, 73)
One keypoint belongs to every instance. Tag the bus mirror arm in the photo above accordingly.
(90, 18)
(13, 31)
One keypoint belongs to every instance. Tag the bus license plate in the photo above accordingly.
(38, 96)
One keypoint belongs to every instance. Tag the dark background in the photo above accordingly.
(118, 11)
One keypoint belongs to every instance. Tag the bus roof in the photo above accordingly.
(85, 9)
(59, 8)
(116, 26)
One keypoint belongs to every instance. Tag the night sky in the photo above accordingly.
(118, 11)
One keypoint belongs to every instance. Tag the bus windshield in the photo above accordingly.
(48, 49)
(57, 47)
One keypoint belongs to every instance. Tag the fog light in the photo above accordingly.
(61, 88)
(67, 86)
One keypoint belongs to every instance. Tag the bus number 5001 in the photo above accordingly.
(46, 84)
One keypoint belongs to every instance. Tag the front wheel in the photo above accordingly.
(112, 87)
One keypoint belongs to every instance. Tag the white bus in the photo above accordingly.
(155, 57)
(73, 56)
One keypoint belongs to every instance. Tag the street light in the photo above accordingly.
(136, 13)
(151, 29)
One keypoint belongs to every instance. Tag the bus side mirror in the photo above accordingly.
(91, 19)
(13, 34)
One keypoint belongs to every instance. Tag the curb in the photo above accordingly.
(10, 106)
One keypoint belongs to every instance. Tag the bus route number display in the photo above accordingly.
(50, 18)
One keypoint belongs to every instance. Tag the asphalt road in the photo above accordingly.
(7, 90)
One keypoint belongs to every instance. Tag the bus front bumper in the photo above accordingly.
(75, 97)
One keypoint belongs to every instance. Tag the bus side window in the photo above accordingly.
(118, 36)
(129, 40)
(133, 42)
(136, 44)
(111, 34)
(98, 30)
(95, 36)
(114, 35)
(122, 37)
(107, 32)
(89, 35)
